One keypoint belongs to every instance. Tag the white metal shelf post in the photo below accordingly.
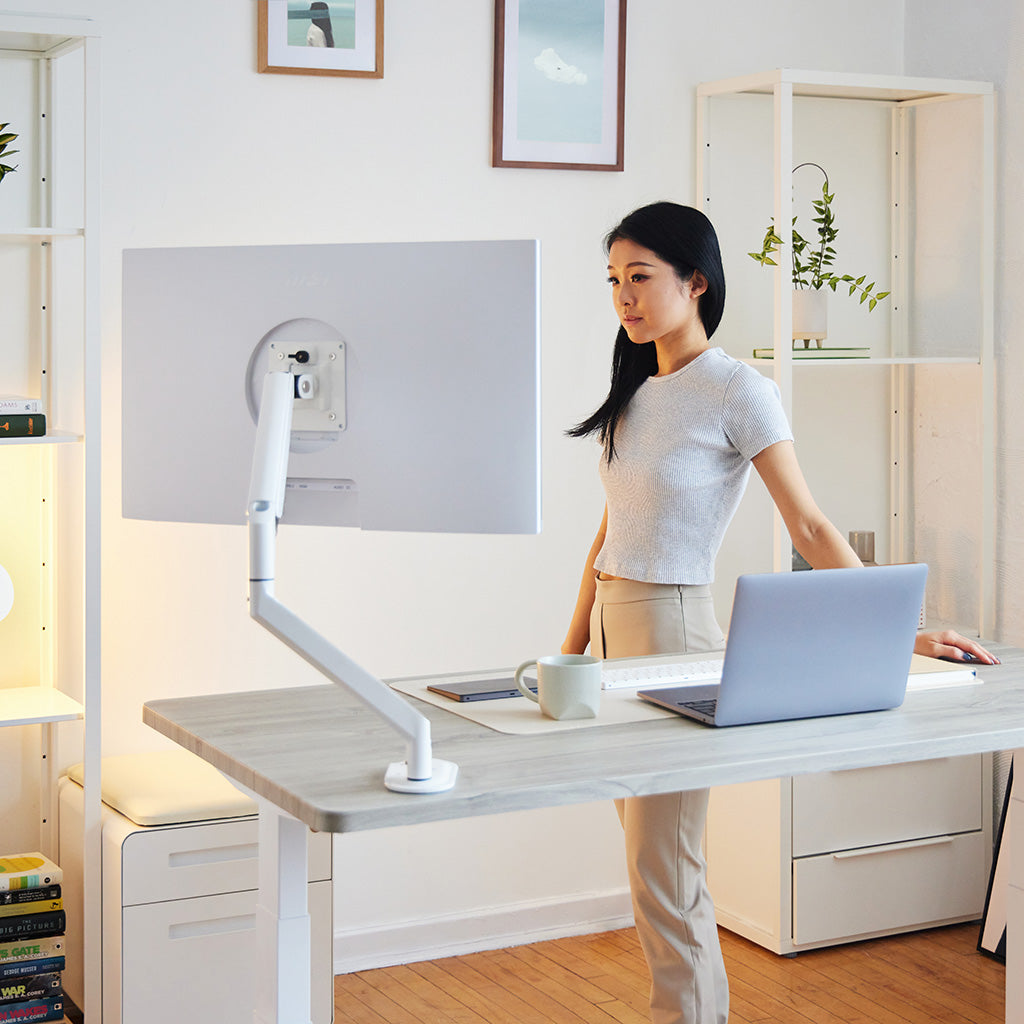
(782, 366)
(92, 930)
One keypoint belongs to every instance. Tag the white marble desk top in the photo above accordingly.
(319, 755)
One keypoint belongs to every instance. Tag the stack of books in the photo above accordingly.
(21, 417)
(32, 924)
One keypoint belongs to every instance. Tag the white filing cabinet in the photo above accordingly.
(815, 860)
(179, 903)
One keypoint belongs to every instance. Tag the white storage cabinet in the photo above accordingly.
(179, 904)
(814, 860)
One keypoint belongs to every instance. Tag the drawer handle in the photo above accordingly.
(914, 844)
(213, 855)
(218, 926)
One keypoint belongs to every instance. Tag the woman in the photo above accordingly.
(680, 427)
(320, 32)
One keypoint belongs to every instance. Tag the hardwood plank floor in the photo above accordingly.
(925, 976)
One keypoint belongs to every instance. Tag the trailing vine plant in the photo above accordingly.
(6, 138)
(813, 262)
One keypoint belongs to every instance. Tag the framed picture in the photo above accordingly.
(559, 84)
(322, 37)
(992, 937)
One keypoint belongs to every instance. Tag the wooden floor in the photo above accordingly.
(601, 979)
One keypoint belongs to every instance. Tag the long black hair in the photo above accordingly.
(321, 17)
(684, 238)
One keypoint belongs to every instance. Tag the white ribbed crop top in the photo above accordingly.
(682, 459)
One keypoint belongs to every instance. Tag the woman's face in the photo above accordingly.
(651, 302)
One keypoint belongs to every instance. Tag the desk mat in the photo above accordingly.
(517, 715)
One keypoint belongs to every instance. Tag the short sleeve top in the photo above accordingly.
(682, 460)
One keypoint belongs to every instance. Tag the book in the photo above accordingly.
(35, 986)
(28, 968)
(817, 353)
(37, 947)
(30, 907)
(41, 892)
(930, 673)
(17, 403)
(31, 424)
(28, 871)
(30, 925)
(28, 1011)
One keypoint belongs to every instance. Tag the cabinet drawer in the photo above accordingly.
(903, 885)
(181, 861)
(888, 804)
(196, 959)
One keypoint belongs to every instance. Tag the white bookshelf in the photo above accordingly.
(50, 514)
(799, 863)
(890, 143)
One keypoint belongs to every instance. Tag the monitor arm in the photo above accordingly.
(419, 773)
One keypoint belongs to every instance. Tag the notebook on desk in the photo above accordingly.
(806, 644)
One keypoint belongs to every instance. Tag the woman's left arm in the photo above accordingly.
(823, 546)
(812, 533)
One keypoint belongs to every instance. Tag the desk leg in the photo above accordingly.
(1015, 898)
(282, 920)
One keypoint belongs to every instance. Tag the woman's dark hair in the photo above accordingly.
(321, 17)
(684, 238)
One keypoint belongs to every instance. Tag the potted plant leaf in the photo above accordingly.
(6, 138)
(812, 268)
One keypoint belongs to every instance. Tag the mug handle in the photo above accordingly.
(523, 688)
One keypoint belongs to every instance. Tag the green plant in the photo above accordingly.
(6, 138)
(812, 263)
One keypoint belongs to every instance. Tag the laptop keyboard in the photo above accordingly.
(653, 677)
(704, 707)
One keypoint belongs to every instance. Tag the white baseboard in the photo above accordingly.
(490, 928)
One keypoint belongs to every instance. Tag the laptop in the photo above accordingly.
(805, 644)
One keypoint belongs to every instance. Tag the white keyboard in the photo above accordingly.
(654, 676)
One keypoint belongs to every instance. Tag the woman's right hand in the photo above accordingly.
(578, 637)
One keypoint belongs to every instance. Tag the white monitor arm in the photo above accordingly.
(419, 773)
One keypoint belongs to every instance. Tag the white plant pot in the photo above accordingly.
(810, 316)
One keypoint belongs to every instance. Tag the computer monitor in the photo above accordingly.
(390, 386)
(437, 356)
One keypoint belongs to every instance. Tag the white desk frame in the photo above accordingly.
(311, 756)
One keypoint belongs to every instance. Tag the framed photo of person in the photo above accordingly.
(559, 84)
(321, 37)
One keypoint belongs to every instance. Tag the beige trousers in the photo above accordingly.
(674, 915)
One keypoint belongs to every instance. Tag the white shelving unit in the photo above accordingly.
(50, 513)
(887, 153)
(804, 862)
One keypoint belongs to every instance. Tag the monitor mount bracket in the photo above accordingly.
(283, 396)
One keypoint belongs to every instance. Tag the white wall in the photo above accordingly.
(984, 41)
(199, 149)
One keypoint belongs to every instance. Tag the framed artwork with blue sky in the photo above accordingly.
(322, 37)
(559, 84)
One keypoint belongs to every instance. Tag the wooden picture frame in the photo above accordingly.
(559, 84)
(325, 37)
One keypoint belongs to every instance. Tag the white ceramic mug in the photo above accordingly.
(568, 685)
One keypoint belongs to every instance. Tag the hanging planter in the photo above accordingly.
(812, 273)
(810, 316)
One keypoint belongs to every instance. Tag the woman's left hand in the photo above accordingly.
(951, 646)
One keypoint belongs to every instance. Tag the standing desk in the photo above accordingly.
(314, 757)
